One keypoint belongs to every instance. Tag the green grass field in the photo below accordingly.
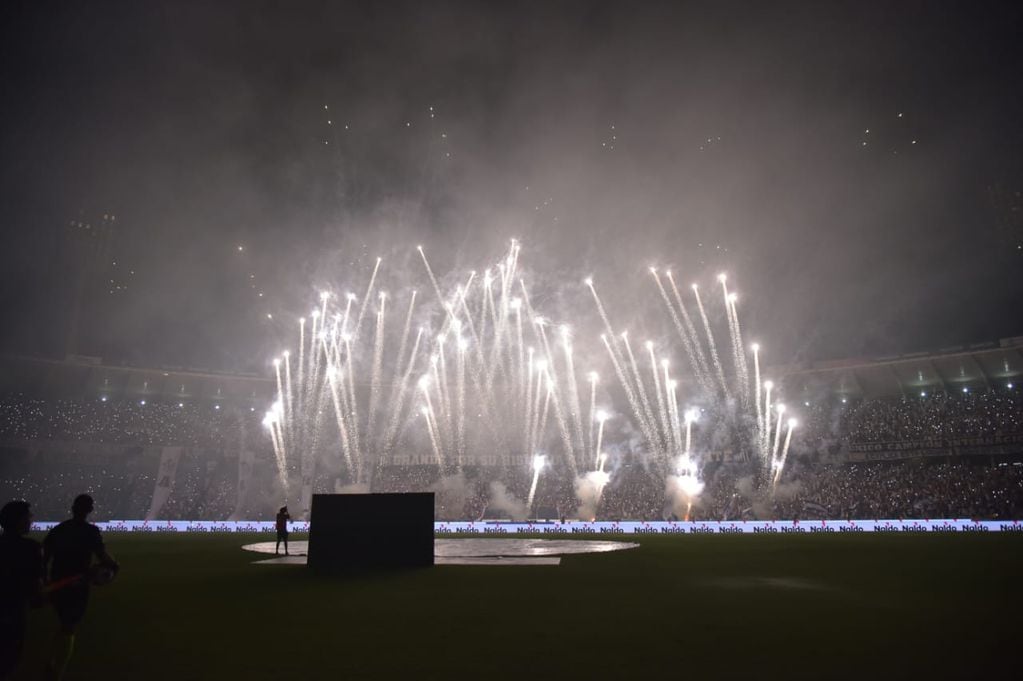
(862, 606)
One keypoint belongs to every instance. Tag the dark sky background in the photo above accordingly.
(607, 136)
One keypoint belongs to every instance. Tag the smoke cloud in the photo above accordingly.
(503, 500)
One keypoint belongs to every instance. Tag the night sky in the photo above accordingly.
(854, 166)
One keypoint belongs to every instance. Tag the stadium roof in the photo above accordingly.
(975, 367)
(82, 377)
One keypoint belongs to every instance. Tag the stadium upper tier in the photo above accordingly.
(961, 369)
(975, 367)
(85, 378)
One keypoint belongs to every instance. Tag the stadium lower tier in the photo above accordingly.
(179, 484)
(496, 528)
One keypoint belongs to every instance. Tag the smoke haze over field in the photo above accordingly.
(847, 163)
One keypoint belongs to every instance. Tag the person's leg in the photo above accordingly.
(285, 543)
(63, 646)
(12, 639)
(277, 548)
(70, 604)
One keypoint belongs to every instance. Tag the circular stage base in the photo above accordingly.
(474, 551)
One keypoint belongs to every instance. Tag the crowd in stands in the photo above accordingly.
(136, 422)
(925, 416)
(52, 450)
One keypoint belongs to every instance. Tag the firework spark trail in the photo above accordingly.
(733, 335)
(365, 299)
(676, 426)
(641, 389)
(784, 450)
(348, 312)
(346, 445)
(280, 385)
(573, 392)
(447, 427)
(553, 384)
(289, 410)
(431, 415)
(353, 408)
(319, 322)
(765, 444)
(499, 346)
(743, 363)
(602, 312)
(405, 331)
(490, 304)
(685, 335)
(484, 317)
(402, 392)
(662, 410)
(541, 430)
(376, 375)
(279, 454)
(318, 389)
(505, 283)
(507, 302)
(437, 382)
(704, 373)
(434, 443)
(502, 322)
(758, 388)
(308, 397)
(711, 345)
(527, 406)
(690, 418)
(777, 433)
(433, 280)
(477, 339)
(301, 362)
(535, 420)
(460, 400)
(522, 390)
(537, 465)
(637, 411)
(566, 438)
(600, 436)
(396, 382)
(591, 414)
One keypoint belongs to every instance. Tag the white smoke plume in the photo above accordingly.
(452, 491)
(682, 493)
(503, 500)
(588, 489)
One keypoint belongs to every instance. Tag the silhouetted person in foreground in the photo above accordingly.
(282, 530)
(21, 575)
(68, 551)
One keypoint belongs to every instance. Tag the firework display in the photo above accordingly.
(489, 380)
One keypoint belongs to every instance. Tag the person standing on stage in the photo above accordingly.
(68, 551)
(282, 530)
